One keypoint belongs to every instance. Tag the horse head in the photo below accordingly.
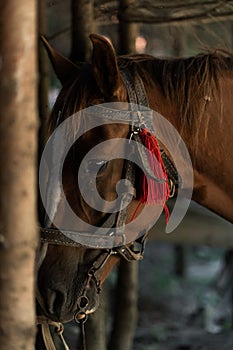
(71, 275)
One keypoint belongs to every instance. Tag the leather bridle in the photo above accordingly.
(141, 115)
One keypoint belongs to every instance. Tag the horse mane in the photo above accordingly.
(188, 83)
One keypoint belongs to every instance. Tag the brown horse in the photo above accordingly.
(195, 95)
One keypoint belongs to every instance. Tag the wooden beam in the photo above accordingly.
(166, 11)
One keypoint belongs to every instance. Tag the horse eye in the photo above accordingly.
(95, 166)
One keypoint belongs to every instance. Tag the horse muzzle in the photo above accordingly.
(61, 302)
(56, 307)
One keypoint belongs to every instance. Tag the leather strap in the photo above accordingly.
(48, 340)
(71, 239)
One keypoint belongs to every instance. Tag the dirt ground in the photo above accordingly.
(182, 313)
(179, 313)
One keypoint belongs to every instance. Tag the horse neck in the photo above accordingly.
(212, 157)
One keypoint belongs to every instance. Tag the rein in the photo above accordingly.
(141, 116)
(48, 340)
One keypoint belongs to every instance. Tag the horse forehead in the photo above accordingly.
(106, 131)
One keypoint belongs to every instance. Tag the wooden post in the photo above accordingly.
(126, 311)
(18, 143)
(95, 327)
(127, 32)
(43, 90)
(126, 308)
(43, 67)
(179, 250)
(82, 12)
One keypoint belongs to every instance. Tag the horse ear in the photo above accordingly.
(63, 67)
(105, 66)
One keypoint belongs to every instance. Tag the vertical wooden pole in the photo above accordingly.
(82, 13)
(18, 144)
(43, 90)
(126, 312)
(95, 327)
(127, 32)
(179, 250)
(126, 308)
(43, 68)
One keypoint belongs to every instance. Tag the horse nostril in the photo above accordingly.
(56, 301)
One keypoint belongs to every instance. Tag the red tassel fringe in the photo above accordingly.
(152, 191)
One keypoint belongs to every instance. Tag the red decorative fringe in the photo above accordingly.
(152, 191)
